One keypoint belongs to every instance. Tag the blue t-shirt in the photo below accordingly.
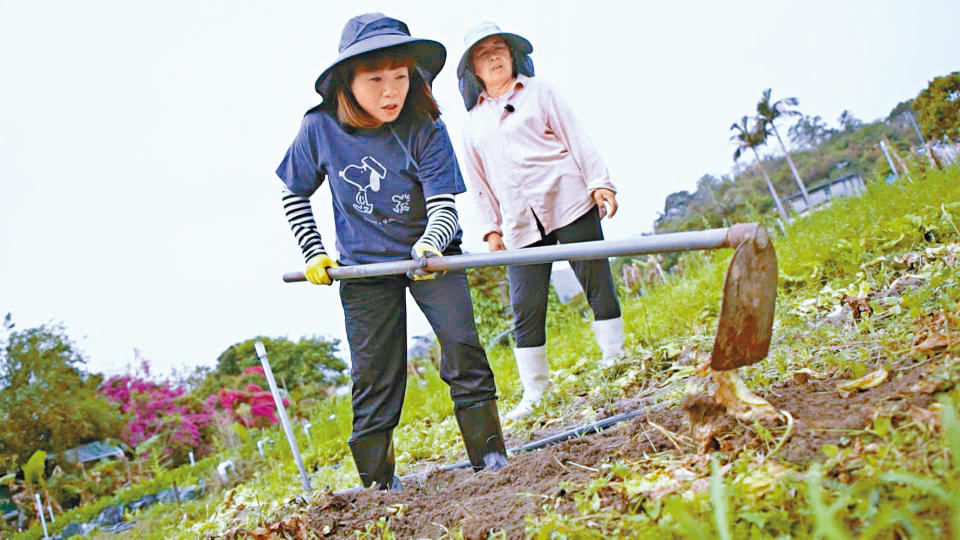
(379, 180)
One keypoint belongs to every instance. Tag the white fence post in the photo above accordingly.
(224, 468)
(43, 520)
(262, 353)
(261, 443)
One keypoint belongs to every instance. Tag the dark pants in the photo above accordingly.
(376, 320)
(530, 284)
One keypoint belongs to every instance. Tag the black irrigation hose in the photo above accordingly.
(595, 427)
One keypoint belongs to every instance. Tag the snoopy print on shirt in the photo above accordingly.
(379, 180)
(368, 175)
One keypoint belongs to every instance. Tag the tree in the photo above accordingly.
(162, 418)
(752, 138)
(767, 114)
(938, 108)
(309, 361)
(809, 131)
(676, 203)
(902, 107)
(707, 186)
(849, 122)
(47, 402)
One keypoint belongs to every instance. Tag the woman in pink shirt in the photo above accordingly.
(538, 181)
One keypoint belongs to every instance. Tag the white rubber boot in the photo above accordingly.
(610, 338)
(535, 376)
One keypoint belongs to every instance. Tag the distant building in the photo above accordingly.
(845, 186)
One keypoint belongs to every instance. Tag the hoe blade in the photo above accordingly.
(749, 296)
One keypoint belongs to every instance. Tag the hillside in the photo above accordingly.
(868, 287)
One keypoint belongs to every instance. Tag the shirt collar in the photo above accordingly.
(520, 83)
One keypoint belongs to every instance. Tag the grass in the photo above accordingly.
(905, 485)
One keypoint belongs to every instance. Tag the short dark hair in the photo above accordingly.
(419, 102)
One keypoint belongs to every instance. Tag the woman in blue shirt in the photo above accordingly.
(379, 144)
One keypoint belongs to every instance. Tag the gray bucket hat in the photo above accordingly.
(373, 31)
(478, 33)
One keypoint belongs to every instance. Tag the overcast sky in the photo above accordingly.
(138, 140)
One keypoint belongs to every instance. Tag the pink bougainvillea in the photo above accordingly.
(261, 411)
(254, 369)
(182, 422)
(158, 409)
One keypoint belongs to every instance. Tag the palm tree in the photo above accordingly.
(747, 138)
(766, 114)
(809, 131)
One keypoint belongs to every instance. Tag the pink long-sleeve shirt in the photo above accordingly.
(526, 156)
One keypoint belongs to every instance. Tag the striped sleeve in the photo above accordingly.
(300, 216)
(442, 221)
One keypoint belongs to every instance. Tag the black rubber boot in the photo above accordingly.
(373, 455)
(480, 427)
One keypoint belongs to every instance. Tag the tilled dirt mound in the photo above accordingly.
(478, 503)
(821, 413)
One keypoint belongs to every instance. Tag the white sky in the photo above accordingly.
(138, 140)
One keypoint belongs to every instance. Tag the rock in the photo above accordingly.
(143, 502)
(110, 515)
(166, 496)
(72, 529)
(191, 492)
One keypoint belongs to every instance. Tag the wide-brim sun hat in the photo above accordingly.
(375, 31)
(518, 44)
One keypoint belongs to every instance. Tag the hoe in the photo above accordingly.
(745, 323)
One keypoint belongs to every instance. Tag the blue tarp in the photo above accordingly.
(92, 452)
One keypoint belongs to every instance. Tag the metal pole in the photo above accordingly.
(43, 521)
(262, 353)
(913, 122)
(927, 149)
(883, 146)
(581, 251)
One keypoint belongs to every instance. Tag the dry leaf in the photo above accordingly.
(740, 401)
(700, 486)
(926, 417)
(933, 342)
(870, 380)
(911, 260)
(860, 306)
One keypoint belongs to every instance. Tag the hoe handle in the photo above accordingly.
(728, 237)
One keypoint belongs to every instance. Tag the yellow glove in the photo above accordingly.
(420, 251)
(316, 271)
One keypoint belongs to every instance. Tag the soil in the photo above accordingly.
(501, 500)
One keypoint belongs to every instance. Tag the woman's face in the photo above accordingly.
(492, 61)
(381, 92)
